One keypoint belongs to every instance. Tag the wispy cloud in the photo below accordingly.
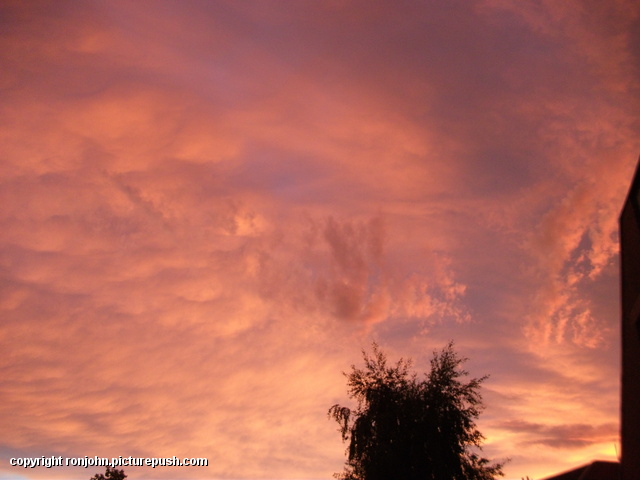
(564, 436)
(208, 210)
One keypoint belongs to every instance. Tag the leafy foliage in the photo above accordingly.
(408, 429)
(110, 474)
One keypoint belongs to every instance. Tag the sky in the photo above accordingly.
(208, 209)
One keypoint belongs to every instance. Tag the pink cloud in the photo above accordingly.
(208, 210)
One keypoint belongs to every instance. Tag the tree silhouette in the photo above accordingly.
(408, 429)
(110, 474)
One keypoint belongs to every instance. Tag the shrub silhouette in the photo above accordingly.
(408, 429)
(110, 474)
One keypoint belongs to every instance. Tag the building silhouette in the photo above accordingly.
(630, 297)
(629, 466)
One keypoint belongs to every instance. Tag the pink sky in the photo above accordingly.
(209, 208)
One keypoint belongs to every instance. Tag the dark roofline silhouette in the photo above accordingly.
(598, 470)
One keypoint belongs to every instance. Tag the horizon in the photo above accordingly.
(210, 208)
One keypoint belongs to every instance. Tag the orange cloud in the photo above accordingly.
(207, 210)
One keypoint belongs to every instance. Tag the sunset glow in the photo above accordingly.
(209, 208)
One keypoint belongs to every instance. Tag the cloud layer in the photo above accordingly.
(208, 209)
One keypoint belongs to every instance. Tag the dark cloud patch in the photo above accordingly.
(209, 208)
(570, 436)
